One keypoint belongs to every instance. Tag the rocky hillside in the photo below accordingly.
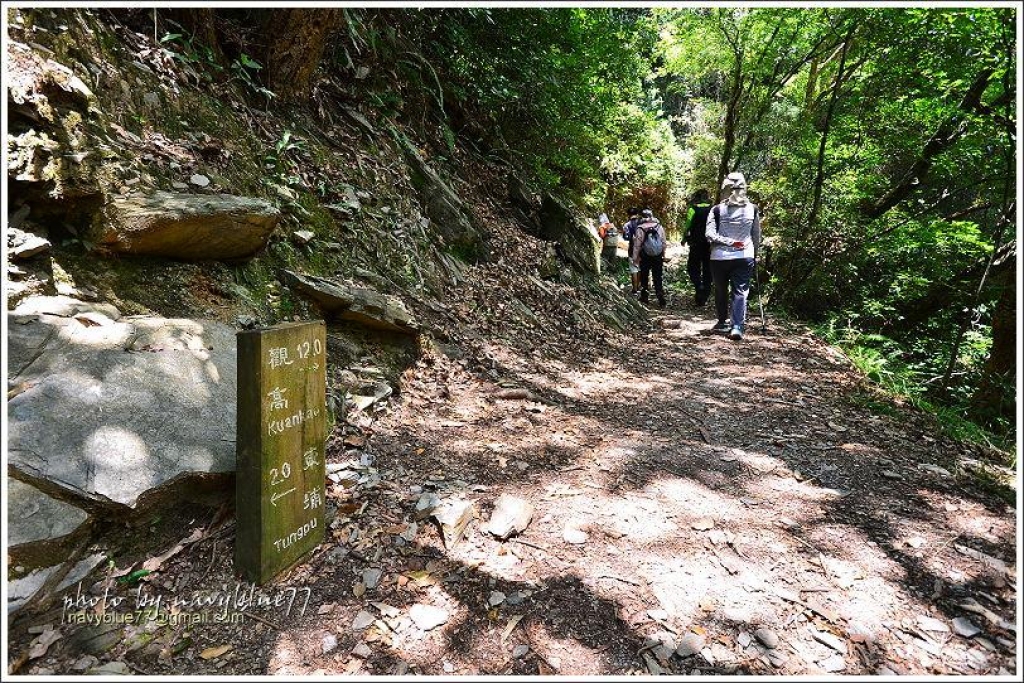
(154, 212)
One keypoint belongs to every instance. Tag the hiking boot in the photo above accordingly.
(736, 334)
(721, 328)
(662, 303)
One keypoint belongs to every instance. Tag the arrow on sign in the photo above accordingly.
(274, 498)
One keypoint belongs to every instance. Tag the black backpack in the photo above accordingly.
(653, 243)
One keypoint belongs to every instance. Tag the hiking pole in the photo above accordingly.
(760, 303)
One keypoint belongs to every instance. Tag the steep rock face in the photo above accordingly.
(449, 216)
(579, 245)
(357, 304)
(524, 206)
(116, 412)
(49, 149)
(186, 226)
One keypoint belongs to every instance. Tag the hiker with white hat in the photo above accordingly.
(734, 231)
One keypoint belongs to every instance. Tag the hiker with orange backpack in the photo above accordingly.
(609, 235)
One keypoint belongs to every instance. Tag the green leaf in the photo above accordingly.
(134, 577)
(249, 62)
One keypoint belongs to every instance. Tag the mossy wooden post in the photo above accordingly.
(279, 492)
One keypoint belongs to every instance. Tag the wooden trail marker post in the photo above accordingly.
(281, 432)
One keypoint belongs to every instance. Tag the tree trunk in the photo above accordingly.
(996, 394)
(202, 21)
(732, 114)
(296, 42)
(819, 177)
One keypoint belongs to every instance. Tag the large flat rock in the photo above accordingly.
(186, 226)
(362, 305)
(117, 411)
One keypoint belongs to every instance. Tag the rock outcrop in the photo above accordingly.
(525, 208)
(578, 244)
(185, 226)
(116, 412)
(48, 141)
(23, 245)
(448, 214)
(362, 305)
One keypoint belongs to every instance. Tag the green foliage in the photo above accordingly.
(245, 69)
(184, 49)
(887, 364)
(557, 90)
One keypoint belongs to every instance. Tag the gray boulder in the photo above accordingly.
(362, 305)
(119, 414)
(185, 226)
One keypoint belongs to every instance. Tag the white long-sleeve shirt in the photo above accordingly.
(738, 223)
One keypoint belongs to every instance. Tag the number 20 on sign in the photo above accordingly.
(279, 494)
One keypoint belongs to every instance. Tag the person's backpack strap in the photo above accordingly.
(718, 216)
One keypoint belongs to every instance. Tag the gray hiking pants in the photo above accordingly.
(734, 272)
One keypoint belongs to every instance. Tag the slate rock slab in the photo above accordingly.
(33, 516)
(578, 244)
(186, 226)
(427, 617)
(362, 305)
(115, 413)
(23, 245)
(21, 590)
(450, 216)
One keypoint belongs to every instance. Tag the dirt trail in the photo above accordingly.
(732, 496)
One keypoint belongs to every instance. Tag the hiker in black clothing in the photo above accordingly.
(649, 254)
(698, 262)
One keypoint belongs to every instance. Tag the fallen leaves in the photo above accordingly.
(154, 563)
(214, 652)
(510, 626)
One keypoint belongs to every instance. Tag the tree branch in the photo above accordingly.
(948, 133)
